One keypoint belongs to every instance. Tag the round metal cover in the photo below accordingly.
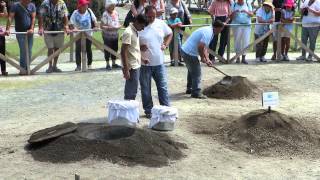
(52, 132)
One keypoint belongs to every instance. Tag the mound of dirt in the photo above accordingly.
(117, 144)
(270, 134)
(231, 87)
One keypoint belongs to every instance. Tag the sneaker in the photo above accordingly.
(56, 69)
(108, 67)
(262, 59)
(309, 58)
(258, 59)
(116, 66)
(188, 91)
(172, 63)
(78, 68)
(49, 70)
(201, 96)
(301, 58)
(180, 64)
(244, 61)
(4, 73)
(22, 73)
(285, 58)
(148, 115)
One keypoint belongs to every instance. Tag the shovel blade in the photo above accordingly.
(227, 80)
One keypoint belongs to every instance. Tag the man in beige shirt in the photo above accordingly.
(131, 57)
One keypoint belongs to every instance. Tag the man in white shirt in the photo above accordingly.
(310, 9)
(154, 39)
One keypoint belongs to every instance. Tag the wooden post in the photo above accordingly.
(71, 48)
(83, 52)
(76, 177)
(228, 45)
(278, 29)
(175, 46)
(295, 47)
(26, 45)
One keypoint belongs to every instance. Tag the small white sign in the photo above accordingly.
(270, 99)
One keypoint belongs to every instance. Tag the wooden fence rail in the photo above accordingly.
(82, 36)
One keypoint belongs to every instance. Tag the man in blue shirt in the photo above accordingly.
(23, 13)
(196, 45)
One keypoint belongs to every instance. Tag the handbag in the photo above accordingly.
(186, 19)
(92, 22)
(129, 18)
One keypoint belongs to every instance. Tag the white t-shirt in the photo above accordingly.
(83, 21)
(153, 36)
(311, 18)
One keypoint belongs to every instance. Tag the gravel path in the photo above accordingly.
(31, 103)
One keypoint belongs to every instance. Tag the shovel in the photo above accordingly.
(226, 80)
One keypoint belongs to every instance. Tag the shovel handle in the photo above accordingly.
(219, 70)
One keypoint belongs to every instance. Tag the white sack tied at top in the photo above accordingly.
(163, 114)
(123, 109)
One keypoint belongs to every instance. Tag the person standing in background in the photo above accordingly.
(53, 16)
(220, 10)
(278, 5)
(3, 14)
(159, 5)
(310, 9)
(83, 18)
(110, 25)
(265, 15)
(241, 14)
(24, 14)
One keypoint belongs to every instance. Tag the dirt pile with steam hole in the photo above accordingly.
(117, 144)
(270, 134)
(232, 87)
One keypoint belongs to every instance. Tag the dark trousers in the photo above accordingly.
(131, 86)
(194, 73)
(78, 52)
(261, 47)
(113, 44)
(2, 51)
(223, 38)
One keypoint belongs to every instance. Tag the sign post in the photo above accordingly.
(270, 100)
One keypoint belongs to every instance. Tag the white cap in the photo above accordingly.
(173, 10)
(109, 2)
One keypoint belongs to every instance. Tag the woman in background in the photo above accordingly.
(3, 14)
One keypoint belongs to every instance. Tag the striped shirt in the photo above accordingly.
(219, 8)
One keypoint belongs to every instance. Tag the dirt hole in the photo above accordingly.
(107, 132)
(268, 134)
(117, 144)
(232, 87)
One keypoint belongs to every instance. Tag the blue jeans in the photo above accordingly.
(311, 34)
(131, 87)
(194, 73)
(23, 54)
(158, 73)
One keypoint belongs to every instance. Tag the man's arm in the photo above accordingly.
(66, 24)
(9, 22)
(124, 59)
(166, 41)
(40, 22)
(204, 54)
(33, 20)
